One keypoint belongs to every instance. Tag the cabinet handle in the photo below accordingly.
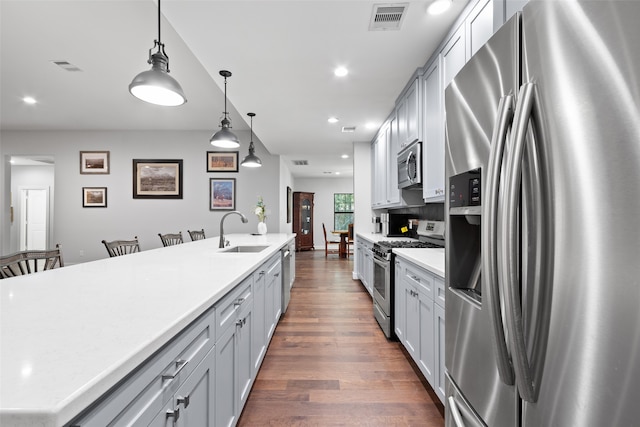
(416, 278)
(173, 414)
(277, 274)
(183, 400)
(238, 302)
(180, 364)
(262, 273)
(241, 322)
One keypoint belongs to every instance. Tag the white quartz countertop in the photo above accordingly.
(68, 335)
(431, 259)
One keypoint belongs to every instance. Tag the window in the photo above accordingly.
(342, 210)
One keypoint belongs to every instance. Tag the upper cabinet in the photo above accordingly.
(433, 143)
(408, 111)
(479, 26)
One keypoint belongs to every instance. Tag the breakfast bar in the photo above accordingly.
(70, 335)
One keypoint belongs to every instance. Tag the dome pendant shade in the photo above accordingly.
(156, 86)
(251, 161)
(224, 138)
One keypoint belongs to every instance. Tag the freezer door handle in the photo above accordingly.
(455, 412)
(490, 227)
(510, 252)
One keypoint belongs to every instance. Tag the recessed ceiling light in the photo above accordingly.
(438, 7)
(333, 120)
(29, 100)
(340, 72)
(337, 173)
(371, 125)
(345, 156)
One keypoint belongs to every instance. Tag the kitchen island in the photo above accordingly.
(70, 335)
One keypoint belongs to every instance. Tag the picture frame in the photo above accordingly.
(94, 162)
(222, 161)
(222, 194)
(289, 204)
(94, 197)
(157, 179)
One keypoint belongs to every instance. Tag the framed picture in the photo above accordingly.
(94, 162)
(157, 179)
(222, 161)
(289, 204)
(222, 194)
(94, 197)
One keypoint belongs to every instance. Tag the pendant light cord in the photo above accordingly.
(225, 97)
(159, 41)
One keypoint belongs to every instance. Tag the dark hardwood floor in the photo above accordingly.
(329, 363)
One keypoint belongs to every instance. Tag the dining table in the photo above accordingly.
(342, 247)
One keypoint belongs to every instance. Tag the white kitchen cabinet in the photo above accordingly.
(193, 405)
(259, 329)
(392, 192)
(408, 112)
(454, 56)
(233, 353)
(150, 391)
(364, 263)
(273, 295)
(419, 333)
(439, 331)
(479, 26)
(379, 168)
(399, 319)
(434, 143)
(421, 320)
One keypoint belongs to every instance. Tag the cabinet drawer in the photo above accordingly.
(421, 279)
(228, 307)
(140, 396)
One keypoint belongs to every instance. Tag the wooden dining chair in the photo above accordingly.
(350, 240)
(196, 235)
(329, 244)
(122, 247)
(28, 262)
(171, 239)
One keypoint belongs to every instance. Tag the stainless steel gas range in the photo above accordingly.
(430, 235)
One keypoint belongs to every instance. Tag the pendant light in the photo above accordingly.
(224, 138)
(156, 86)
(251, 161)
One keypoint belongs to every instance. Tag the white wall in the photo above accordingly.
(324, 188)
(286, 180)
(81, 229)
(362, 186)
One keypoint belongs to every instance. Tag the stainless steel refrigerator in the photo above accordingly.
(543, 221)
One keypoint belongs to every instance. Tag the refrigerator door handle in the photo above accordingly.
(509, 226)
(490, 228)
(455, 412)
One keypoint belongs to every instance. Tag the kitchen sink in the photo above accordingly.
(245, 249)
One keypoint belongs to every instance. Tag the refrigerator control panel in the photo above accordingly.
(465, 189)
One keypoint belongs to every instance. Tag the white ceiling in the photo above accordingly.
(281, 53)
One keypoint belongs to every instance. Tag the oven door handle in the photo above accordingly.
(382, 263)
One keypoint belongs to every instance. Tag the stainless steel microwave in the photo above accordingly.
(410, 166)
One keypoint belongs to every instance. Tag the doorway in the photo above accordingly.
(34, 218)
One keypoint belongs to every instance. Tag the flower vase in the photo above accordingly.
(262, 228)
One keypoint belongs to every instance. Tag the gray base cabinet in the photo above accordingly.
(419, 319)
(204, 375)
(364, 263)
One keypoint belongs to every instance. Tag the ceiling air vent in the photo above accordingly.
(348, 129)
(387, 16)
(300, 162)
(66, 66)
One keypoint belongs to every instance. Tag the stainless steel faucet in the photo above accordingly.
(224, 242)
